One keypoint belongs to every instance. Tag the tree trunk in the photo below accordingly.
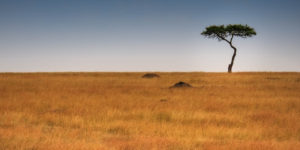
(232, 59)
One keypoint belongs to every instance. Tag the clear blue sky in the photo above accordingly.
(146, 35)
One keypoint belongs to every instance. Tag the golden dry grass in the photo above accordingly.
(122, 111)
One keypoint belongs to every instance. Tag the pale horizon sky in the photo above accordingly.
(144, 35)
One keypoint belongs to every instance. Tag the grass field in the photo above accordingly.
(122, 111)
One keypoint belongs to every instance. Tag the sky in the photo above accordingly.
(146, 35)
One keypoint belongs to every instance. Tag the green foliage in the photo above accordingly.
(240, 30)
(221, 32)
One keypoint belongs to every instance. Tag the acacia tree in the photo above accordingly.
(227, 33)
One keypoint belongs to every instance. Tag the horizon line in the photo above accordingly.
(32, 72)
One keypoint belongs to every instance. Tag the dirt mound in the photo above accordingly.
(163, 100)
(180, 85)
(150, 75)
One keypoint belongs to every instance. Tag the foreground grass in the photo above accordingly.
(122, 111)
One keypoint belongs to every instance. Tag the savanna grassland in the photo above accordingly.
(122, 111)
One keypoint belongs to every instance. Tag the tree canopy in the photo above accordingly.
(221, 32)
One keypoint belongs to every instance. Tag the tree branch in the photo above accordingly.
(231, 38)
(223, 38)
